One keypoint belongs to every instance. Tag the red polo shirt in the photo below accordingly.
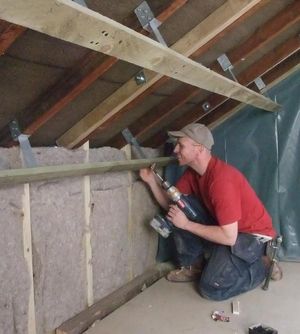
(228, 196)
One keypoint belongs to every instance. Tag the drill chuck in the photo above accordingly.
(176, 196)
(173, 194)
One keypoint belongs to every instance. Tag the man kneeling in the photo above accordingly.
(224, 247)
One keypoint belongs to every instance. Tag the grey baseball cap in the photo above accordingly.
(198, 132)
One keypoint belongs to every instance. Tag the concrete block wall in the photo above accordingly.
(67, 243)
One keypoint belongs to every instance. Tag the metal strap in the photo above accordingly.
(28, 157)
(259, 83)
(135, 144)
(81, 2)
(148, 21)
(154, 24)
(226, 65)
(27, 153)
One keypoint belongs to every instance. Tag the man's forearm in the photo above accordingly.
(160, 195)
(225, 236)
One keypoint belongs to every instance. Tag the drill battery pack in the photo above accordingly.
(161, 225)
(262, 329)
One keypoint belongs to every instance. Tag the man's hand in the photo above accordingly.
(160, 195)
(177, 217)
(147, 175)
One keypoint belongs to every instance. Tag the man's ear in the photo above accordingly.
(201, 148)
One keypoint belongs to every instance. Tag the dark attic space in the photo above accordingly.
(149, 166)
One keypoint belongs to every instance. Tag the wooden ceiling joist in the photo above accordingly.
(234, 11)
(222, 110)
(79, 79)
(8, 36)
(145, 127)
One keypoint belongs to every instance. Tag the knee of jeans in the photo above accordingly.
(221, 285)
(210, 293)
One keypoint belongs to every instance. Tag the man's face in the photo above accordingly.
(186, 150)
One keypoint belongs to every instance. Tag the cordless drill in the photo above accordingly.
(162, 225)
(159, 223)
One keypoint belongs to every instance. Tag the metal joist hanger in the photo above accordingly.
(151, 24)
(226, 65)
(148, 21)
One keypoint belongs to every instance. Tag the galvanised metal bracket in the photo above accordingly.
(259, 83)
(128, 136)
(148, 21)
(226, 65)
(261, 87)
(81, 2)
(26, 149)
(206, 106)
(14, 130)
(140, 78)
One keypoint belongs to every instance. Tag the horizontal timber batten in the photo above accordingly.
(27, 175)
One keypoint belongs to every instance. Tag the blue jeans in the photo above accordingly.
(228, 271)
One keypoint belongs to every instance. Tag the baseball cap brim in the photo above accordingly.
(176, 134)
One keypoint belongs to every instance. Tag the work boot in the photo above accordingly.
(184, 274)
(277, 272)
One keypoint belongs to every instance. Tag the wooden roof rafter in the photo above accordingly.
(10, 32)
(76, 80)
(154, 119)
